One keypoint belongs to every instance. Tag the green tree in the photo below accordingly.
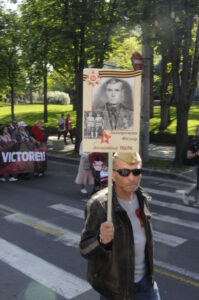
(182, 46)
(10, 55)
(38, 34)
(83, 38)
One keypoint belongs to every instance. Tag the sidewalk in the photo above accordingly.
(155, 151)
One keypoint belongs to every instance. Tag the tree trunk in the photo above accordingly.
(45, 95)
(165, 98)
(79, 78)
(30, 96)
(145, 102)
(164, 115)
(146, 84)
(151, 83)
(79, 89)
(183, 86)
(181, 134)
(12, 100)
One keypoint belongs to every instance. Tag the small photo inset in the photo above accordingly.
(93, 124)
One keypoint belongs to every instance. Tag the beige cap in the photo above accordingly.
(129, 158)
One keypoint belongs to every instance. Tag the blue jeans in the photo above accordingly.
(144, 290)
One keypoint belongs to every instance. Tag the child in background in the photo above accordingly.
(97, 160)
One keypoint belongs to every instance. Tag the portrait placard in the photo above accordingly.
(111, 110)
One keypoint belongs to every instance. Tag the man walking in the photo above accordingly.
(120, 253)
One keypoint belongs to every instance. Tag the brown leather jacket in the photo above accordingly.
(111, 268)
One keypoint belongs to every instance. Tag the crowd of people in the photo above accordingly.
(21, 133)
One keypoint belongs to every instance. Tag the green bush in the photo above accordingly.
(53, 98)
(58, 98)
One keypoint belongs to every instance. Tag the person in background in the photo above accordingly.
(12, 128)
(6, 139)
(37, 132)
(69, 127)
(97, 160)
(120, 252)
(22, 135)
(62, 128)
(84, 175)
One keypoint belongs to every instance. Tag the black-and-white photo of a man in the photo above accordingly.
(114, 98)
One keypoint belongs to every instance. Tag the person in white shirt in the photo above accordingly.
(62, 128)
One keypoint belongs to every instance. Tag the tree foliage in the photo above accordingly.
(59, 38)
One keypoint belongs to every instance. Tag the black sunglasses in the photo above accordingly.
(126, 172)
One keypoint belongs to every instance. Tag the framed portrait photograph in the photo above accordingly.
(111, 110)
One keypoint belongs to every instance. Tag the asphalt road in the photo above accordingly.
(41, 221)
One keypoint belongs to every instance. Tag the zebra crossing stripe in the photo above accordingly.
(72, 211)
(66, 236)
(58, 280)
(176, 221)
(164, 193)
(167, 239)
(176, 269)
(178, 207)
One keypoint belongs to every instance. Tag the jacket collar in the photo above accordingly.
(141, 195)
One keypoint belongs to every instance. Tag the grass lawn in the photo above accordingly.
(30, 113)
(193, 121)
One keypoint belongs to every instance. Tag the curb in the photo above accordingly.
(74, 161)
(151, 172)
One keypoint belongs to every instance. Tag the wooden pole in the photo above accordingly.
(109, 209)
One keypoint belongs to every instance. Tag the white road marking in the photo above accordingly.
(176, 195)
(175, 206)
(176, 221)
(164, 193)
(172, 181)
(176, 269)
(66, 236)
(167, 239)
(69, 210)
(61, 282)
(71, 285)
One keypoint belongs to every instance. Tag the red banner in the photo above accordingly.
(22, 158)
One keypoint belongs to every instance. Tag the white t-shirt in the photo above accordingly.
(62, 125)
(132, 209)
